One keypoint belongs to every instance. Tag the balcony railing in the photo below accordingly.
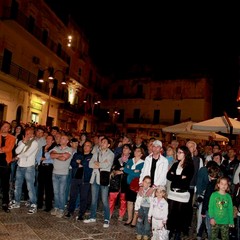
(30, 79)
(23, 21)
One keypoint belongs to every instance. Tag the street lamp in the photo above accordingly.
(51, 78)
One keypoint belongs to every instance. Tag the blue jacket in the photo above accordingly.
(85, 159)
(130, 167)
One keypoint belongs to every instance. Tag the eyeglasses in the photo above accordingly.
(179, 152)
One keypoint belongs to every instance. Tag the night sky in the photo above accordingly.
(175, 40)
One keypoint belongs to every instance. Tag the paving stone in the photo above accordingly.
(18, 225)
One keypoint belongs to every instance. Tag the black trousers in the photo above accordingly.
(45, 186)
(5, 178)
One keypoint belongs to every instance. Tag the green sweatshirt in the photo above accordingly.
(221, 208)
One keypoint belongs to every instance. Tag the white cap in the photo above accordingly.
(157, 143)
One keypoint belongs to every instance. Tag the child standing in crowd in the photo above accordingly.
(158, 211)
(142, 205)
(221, 210)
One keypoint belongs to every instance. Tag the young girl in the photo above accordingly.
(158, 211)
(221, 209)
(142, 205)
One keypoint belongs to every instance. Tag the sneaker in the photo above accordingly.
(106, 223)
(68, 215)
(90, 220)
(60, 213)
(54, 211)
(14, 205)
(138, 237)
(32, 209)
(5, 208)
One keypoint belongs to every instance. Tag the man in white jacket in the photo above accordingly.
(155, 166)
(26, 154)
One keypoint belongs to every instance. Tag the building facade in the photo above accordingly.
(37, 45)
(143, 106)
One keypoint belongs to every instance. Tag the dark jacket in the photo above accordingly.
(118, 182)
(209, 190)
(176, 180)
(85, 159)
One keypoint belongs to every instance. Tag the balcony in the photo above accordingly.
(23, 76)
(128, 96)
(24, 21)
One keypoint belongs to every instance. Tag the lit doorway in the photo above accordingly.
(35, 118)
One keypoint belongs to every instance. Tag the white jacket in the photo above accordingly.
(26, 158)
(158, 209)
(160, 176)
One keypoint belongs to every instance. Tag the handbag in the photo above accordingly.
(134, 185)
(104, 178)
(161, 234)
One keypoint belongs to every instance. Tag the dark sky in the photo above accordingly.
(175, 40)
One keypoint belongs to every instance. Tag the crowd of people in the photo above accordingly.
(61, 172)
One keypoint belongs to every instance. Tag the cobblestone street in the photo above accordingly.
(18, 225)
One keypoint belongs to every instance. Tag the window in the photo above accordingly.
(7, 59)
(31, 24)
(59, 49)
(140, 91)
(79, 72)
(177, 116)
(136, 114)
(156, 116)
(44, 36)
(121, 116)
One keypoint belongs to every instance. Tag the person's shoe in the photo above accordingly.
(90, 220)
(139, 237)
(5, 208)
(106, 223)
(14, 205)
(120, 218)
(68, 215)
(79, 218)
(54, 211)
(47, 209)
(32, 209)
(145, 237)
(60, 213)
(127, 223)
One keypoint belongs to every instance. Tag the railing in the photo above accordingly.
(23, 21)
(128, 96)
(23, 75)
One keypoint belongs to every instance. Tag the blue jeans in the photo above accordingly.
(27, 173)
(68, 186)
(143, 226)
(59, 189)
(104, 193)
(79, 191)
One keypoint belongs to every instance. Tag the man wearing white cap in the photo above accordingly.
(155, 165)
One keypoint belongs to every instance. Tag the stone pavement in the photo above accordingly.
(18, 225)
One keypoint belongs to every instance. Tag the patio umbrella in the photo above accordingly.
(218, 124)
(186, 128)
(207, 136)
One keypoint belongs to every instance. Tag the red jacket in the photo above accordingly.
(9, 145)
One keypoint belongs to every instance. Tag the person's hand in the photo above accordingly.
(150, 192)
(212, 222)
(140, 191)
